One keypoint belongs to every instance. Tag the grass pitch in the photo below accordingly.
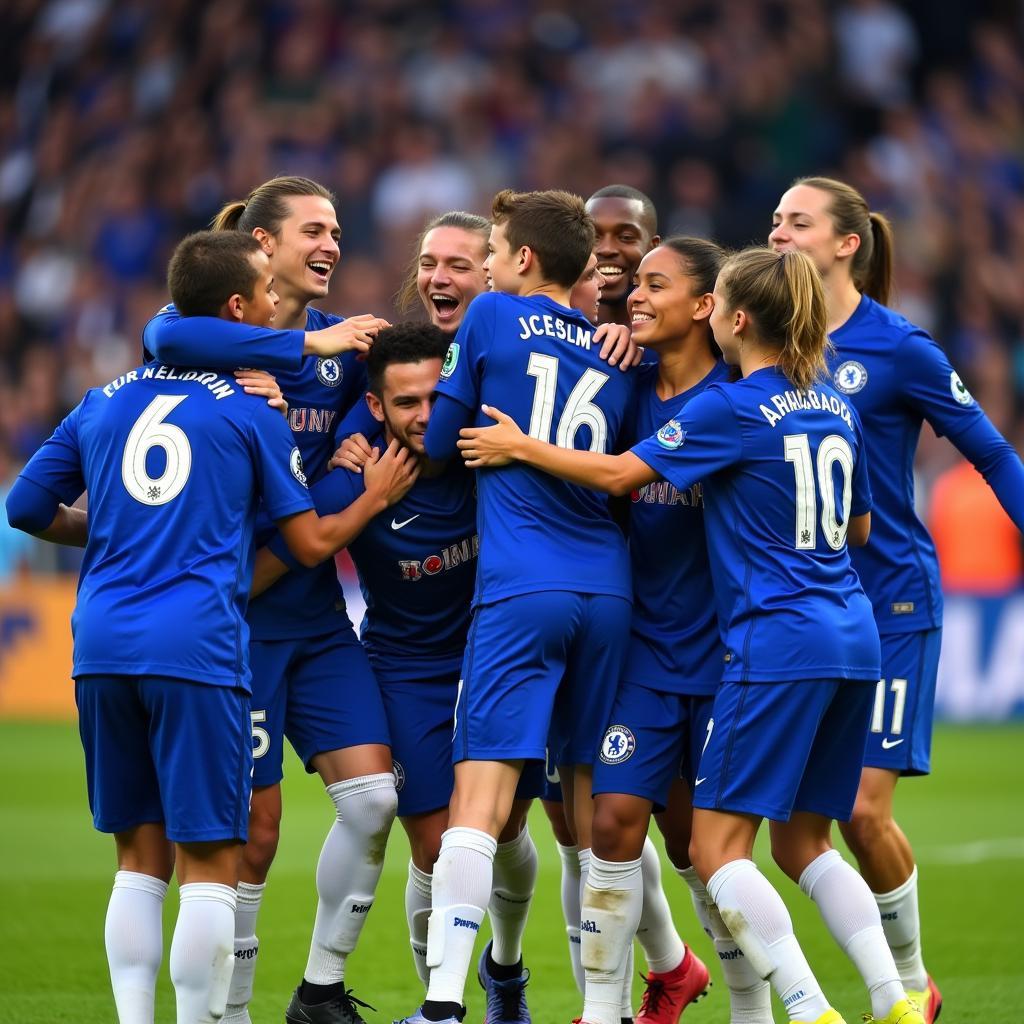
(966, 822)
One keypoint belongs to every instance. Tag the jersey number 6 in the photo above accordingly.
(150, 431)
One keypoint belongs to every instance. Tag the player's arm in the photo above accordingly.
(933, 387)
(505, 442)
(311, 537)
(859, 528)
(39, 502)
(618, 347)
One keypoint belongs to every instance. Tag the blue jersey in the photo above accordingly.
(674, 644)
(896, 376)
(416, 561)
(783, 472)
(307, 602)
(175, 462)
(536, 361)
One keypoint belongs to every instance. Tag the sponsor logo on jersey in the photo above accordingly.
(295, 463)
(451, 360)
(454, 555)
(329, 372)
(399, 772)
(851, 377)
(958, 391)
(888, 744)
(671, 435)
(311, 420)
(661, 492)
(618, 745)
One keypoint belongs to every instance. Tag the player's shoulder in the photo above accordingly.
(317, 319)
(872, 320)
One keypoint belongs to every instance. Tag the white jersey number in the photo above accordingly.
(579, 408)
(151, 431)
(832, 450)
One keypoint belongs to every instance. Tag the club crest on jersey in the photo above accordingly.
(958, 391)
(295, 462)
(329, 372)
(850, 377)
(399, 772)
(618, 745)
(671, 435)
(451, 360)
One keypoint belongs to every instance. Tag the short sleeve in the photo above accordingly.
(931, 386)
(278, 464)
(336, 491)
(702, 439)
(57, 466)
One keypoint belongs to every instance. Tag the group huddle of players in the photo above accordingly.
(749, 630)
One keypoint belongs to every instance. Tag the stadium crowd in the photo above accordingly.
(123, 126)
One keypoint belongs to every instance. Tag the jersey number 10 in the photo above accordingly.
(579, 408)
(833, 450)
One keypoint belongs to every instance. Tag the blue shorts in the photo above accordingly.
(655, 738)
(551, 790)
(538, 665)
(318, 691)
(166, 750)
(419, 701)
(776, 748)
(901, 722)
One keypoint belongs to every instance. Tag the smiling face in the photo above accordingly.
(406, 399)
(623, 239)
(665, 302)
(802, 223)
(586, 292)
(451, 274)
(305, 250)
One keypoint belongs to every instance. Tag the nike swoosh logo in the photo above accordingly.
(395, 525)
(888, 744)
(697, 782)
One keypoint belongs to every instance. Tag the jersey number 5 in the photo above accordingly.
(150, 431)
(579, 408)
(833, 450)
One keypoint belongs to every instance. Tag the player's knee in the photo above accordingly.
(868, 824)
(792, 855)
(264, 833)
(618, 830)
(677, 848)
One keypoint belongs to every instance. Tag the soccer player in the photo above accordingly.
(548, 633)
(311, 679)
(175, 461)
(896, 377)
(780, 455)
(627, 229)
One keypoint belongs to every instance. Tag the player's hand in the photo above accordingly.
(259, 382)
(389, 476)
(617, 346)
(356, 334)
(490, 446)
(352, 454)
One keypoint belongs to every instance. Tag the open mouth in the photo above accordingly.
(640, 317)
(610, 271)
(444, 305)
(321, 269)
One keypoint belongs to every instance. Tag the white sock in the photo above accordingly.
(135, 943)
(570, 857)
(347, 873)
(247, 948)
(417, 914)
(851, 915)
(902, 925)
(201, 957)
(515, 876)
(463, 879)
(626, 1006)
(661, 943)
(759, 922)
(750, 996)
(612, 901)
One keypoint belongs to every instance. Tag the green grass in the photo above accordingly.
(55, 875)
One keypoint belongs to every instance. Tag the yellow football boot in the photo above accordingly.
(906, 1011)
(930, 1001)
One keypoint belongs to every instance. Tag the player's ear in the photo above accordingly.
(655, 242)
(740, 322)
(705, 306)
(848, 245)
(265, 238)
(376, 406)
(525, 259)
(234, 308)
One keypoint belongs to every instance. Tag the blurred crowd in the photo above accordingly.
(125, 124)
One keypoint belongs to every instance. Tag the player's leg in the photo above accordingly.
(424, 832)
(802, 846)
(269, 661)
(124, 797)
(515, 657)
(337, 725)
(752, 767)
(201, 744)
(899, 743)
